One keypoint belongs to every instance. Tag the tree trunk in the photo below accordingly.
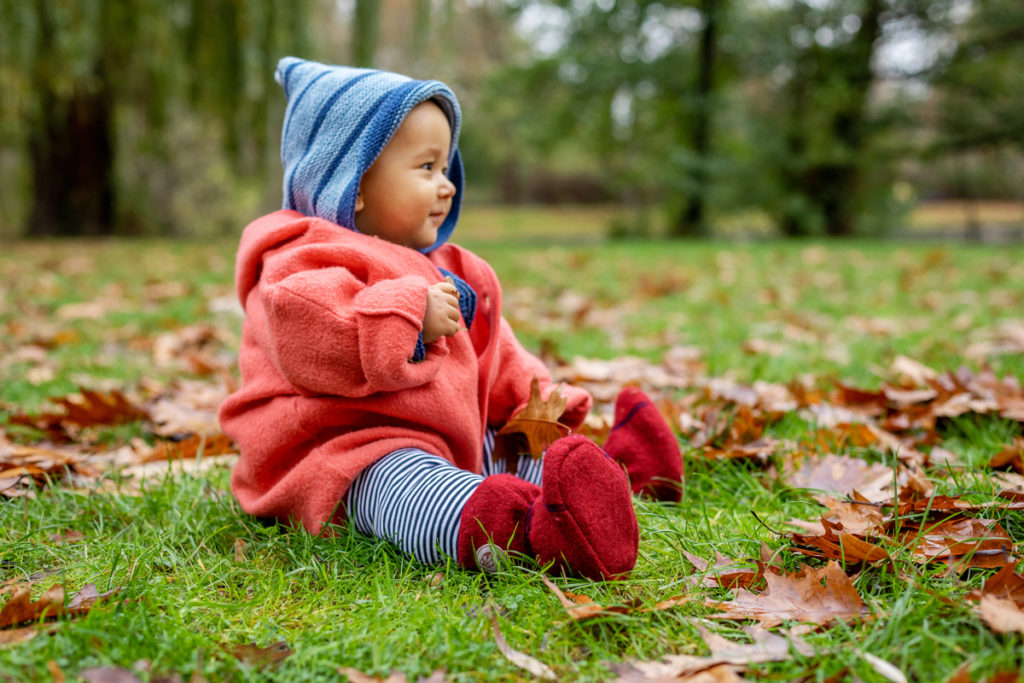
(841, 187)
(71, 150)
(692, 220)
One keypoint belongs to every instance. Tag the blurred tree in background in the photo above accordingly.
(104, 100)
(978, 125)
(827, 106)
(806, 117)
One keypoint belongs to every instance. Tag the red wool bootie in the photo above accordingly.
(645, 445)
(581, 520)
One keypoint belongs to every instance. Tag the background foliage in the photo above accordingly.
(829, 117)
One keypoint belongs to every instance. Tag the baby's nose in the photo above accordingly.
(446, 188)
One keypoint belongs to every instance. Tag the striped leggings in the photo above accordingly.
(415, 499)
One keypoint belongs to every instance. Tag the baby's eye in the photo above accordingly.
(428, 166)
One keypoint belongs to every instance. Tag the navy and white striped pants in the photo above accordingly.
(414, 499)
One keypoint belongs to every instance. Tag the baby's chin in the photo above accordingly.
(425, 238)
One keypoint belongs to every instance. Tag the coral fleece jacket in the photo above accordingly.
(332, 318)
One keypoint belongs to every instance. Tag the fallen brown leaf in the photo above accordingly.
(983, 541)
(817, 596)
(858, 515)
(767, 647)
(72, 536)
(16, 584)
(13, 636)
(520, 659)
(1011, 456)
(963, 675)
(21, 609)
(1001, 615)
(836, 474)
(1006, 583)
(837, 544)
(533, 428)
(109, 674)
(24, 467)
(191, 446)
(885, 669)
(357, 676)
(54, 668)
(89, 409)
(261, 657)
(188, 407)
(724, 573)
(580, 607)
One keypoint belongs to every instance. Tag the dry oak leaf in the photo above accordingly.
(759, 449)
(580, 607)
(524, 661)
(21, 609)
(837, 544)
(91, 409)
(836, 474)
(767, 647)
(910, 502)
(1001, 615)
(357, 676)
(537, 423)
(963, 675)
(13, 636)
(109, 674)
(17, 583)
(1006, 583)
(858, 515)
(261, 657)
(1012, 455)
(725, 573)
(983, 541)
(817, 596)
(191, 446)
(24, 467)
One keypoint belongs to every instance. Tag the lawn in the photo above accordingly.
(769, 350)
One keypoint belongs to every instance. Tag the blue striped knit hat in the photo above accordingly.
(337, 122)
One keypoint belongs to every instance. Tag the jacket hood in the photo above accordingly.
(337, 122)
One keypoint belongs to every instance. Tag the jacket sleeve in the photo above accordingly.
(330, 333)
(511, 391)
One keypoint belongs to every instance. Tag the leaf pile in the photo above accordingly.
(180, 419)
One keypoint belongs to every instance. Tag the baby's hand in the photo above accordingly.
(442, 316)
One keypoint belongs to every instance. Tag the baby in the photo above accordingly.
(377, 368)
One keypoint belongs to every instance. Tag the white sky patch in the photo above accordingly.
(851, 23)
(545, 27)
(907, 49)
(664, 28)
(904, 49)
(622, 112)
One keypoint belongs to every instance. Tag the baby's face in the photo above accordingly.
(405, 196)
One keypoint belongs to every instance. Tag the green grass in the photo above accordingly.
(843, 310)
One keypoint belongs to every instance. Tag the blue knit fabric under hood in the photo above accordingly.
(337, 122)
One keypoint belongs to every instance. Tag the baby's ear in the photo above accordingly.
(359, 202)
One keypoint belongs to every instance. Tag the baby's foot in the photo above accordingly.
(584, 521)
(645, 445)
